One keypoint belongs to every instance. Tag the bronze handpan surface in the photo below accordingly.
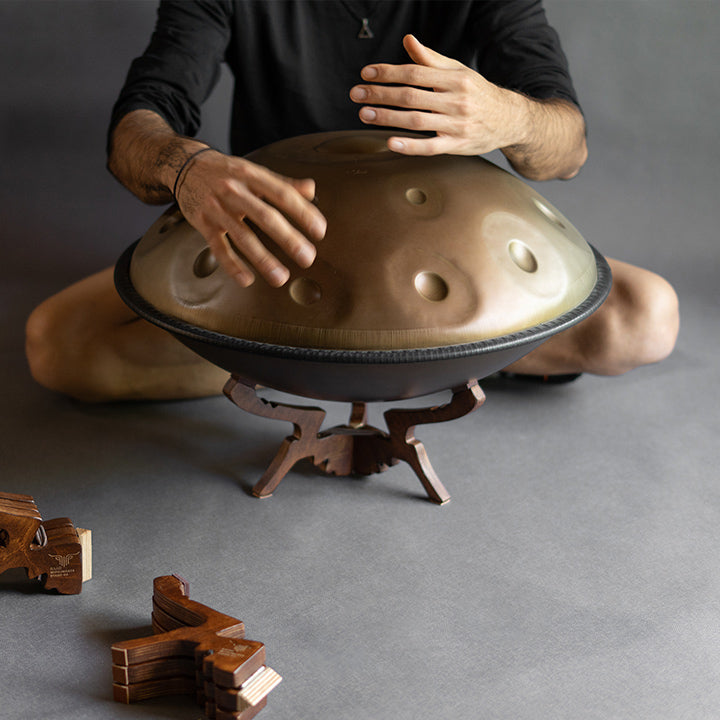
(429, 262)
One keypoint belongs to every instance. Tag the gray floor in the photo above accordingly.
(574, 573)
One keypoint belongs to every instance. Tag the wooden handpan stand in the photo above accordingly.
(355, 448)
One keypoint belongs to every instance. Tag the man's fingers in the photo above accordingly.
(413, 120)
(246, 242)
(410, 74)
(305, 186)
(224, 250)
(423, 55)
(291, 198)
(427, 70)
(268, 211)
(420, 146)
(394, 96)
(276, 226)
(240, 249)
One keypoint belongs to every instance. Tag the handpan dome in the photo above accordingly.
(425, 258)
(419, 252)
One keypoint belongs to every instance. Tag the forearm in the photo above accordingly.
(146, 155)
(551, 139)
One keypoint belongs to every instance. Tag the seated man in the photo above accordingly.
(492, 76)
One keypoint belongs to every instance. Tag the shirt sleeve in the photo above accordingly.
(180, 66)
(521, 51)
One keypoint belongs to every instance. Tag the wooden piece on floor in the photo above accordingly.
(196, 650)
(50, 550)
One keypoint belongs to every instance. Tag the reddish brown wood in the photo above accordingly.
(136, 692)
(50, 550)
(172, 668)
(355, 447)
(405, 446)
(331, 453)
(196, 650)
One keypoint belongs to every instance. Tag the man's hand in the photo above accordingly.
(469, 115)
(217, 193)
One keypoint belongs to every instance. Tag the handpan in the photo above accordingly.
(433, 271)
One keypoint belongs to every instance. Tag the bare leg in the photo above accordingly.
(637, 325)
(85, 342)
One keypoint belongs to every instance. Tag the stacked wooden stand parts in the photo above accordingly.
(357, 447)
(195, 650)
(53, 550)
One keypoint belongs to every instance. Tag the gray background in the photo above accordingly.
(575, 572)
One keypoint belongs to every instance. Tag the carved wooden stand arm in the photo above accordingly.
(401, 426)
(331, 453)
(356, 447)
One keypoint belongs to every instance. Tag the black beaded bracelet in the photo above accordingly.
(184, 166)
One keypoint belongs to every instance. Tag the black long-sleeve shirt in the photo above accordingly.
(294, 61)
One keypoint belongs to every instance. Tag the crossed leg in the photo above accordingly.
(86, 343)
(637, 325)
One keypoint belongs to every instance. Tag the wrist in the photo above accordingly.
(185, 168)
(523, 120)
(520, 128)
(146, 155)
(173, 157)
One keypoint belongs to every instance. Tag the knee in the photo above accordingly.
(60, 351)
(643, 321)
(42, 347)
(662, 320)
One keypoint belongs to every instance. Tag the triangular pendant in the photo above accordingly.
(365, 31)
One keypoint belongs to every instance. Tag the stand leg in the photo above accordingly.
(331, 453)
(405, 446)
